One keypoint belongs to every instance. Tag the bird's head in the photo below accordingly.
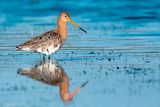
(67, 97)
(65, 17)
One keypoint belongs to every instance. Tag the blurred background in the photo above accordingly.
(120, 55)
(30, 11)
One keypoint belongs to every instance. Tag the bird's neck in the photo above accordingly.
(64, 84)
(64, 87)
(62, 29)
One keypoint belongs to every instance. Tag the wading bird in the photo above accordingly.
(51, 41)
(50, 72)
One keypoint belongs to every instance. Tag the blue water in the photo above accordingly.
(120, 55)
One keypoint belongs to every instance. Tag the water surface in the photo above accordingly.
(120, 55)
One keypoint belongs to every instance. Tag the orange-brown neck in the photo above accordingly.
(62, 29)
(64, 88)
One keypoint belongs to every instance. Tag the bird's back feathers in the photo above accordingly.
(45, 42)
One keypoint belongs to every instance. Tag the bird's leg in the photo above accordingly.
(43, 57)
(49, 57)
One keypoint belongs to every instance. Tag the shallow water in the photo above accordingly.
(120, 55)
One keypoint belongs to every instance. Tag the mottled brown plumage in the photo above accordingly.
(47, 72)
(50, 72)
(49, 42)
(43, 42)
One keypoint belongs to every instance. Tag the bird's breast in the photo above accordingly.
(52, 49)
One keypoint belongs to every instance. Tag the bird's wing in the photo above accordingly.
(41, 41)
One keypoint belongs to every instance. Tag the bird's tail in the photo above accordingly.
(23, 71)
(18, 47)
(21, 47)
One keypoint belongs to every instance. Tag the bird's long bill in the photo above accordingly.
(75, 24)
(75, 91)
(78, 88)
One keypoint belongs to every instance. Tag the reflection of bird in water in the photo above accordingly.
(51, 41)
(51, 73)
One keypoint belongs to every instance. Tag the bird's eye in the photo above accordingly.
(65, 16)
